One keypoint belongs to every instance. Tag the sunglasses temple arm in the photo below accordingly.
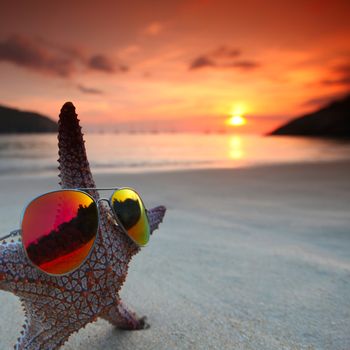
(11, 234)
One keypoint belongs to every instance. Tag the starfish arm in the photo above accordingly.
(74, 166)
(37, 335)
(121, 317)
(155, 217)
(14, 266)
(47, 326)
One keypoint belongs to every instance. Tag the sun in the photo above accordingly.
(237, 120)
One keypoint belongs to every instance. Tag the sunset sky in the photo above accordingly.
(175, 65)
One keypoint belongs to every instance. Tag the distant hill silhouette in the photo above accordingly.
(16, 121)
(332, 120)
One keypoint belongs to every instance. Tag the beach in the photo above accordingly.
(247, 258)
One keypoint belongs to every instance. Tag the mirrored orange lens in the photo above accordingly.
(131, 214)
(59, 230)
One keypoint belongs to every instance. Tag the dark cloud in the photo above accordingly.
(102, 63)
(322, 101)
(245, 65)
(340, 81)
(340, 75)
(201, 62)
(63, 61)
(73, 52)
(89, 90)
(223, 57)
(226, 52)
(29, 54)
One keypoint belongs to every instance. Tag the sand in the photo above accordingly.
(254, 258)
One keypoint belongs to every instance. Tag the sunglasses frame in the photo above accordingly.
(97, 202)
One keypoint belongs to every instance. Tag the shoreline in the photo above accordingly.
(48, 175)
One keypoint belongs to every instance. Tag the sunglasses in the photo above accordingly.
(59, 228)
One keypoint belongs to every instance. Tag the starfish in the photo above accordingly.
(57, 306)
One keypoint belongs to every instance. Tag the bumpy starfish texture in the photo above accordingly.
(57, 306)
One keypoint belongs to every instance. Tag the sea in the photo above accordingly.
(36, 154)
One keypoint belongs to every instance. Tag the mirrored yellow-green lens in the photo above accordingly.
(131, 214)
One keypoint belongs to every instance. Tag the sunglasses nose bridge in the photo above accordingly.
(103, 200)
(100, 200)
(112, 213)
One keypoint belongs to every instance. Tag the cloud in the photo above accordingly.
(154, 29)
(104, 64)
(245, 65)
(340, 76)
(59, 60)
(223, 57)
(30, 54)
(226, 52)
(201, 62)
(89, 90)
(324, 100)
(101, 63)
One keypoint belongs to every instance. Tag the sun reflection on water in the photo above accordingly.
(236, 151)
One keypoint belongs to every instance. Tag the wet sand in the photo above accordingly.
(255, 258)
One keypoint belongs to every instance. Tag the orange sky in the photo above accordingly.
(178, 65)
